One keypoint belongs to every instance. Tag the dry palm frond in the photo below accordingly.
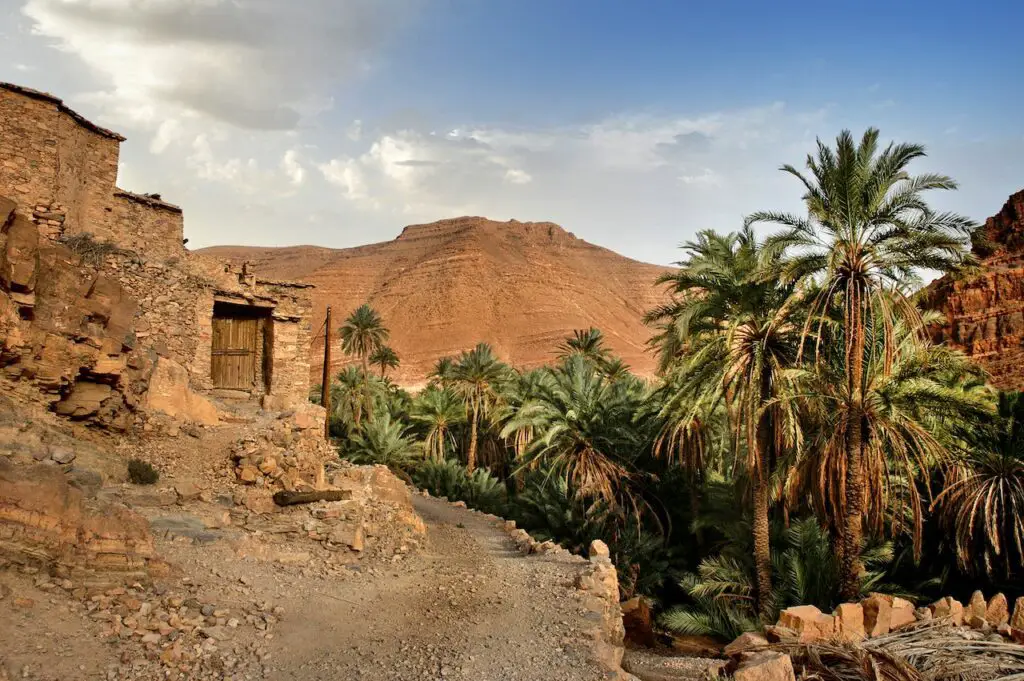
(928, 652)
(850, 663)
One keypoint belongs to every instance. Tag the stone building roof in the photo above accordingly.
(153, 200)
(75, 116)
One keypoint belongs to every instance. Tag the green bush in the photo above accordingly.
(480, 490)
(142, 473)
(548, 510)
(382, 440)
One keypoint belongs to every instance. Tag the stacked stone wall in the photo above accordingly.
(28, 151)
(53, 161)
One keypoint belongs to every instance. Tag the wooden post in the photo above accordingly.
(325, 387)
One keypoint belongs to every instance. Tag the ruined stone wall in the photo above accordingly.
(28, 160)
(292, 335)
(86, 176)
(86, 322)
(62, 171)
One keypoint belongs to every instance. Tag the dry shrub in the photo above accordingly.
(89, 249)
(142, 473)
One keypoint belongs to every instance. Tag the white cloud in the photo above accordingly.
(516, 176)
(258, 65)
(292, 168)
(169, 132)
(705, 176)
(347, 175)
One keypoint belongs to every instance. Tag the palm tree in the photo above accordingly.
(582, 429)
(437, 410)
(983, 502)
(588, 343)
(477, 378)
(361, 335)
(442, 371)
(385, 358)
(743, 341)
(916, 403)
(867, 232)
(615, 369)
(383, 440)
(353, 395)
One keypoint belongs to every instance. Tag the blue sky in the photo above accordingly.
(632, 124)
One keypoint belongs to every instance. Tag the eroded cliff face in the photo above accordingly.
(985, 309)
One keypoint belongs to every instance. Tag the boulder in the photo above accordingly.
(644, 665)
(349, 534)
(877, 614)
(745, 642)
(976, 606)
(808, 622)
(62, 456)
(1017, 621)
(19, 261)
(169, 392)
(85, 399)
(247, 473)
(186, 491)
(997, 611)
(765, 666)
(902, 614)
(599, 550)
(950, 608)
(977, 622)
(636, 618)
(850, 622)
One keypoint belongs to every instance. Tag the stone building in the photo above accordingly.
(104, 314)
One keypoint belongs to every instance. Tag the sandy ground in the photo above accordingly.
(466, 607)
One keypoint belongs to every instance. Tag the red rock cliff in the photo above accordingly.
(985, 309)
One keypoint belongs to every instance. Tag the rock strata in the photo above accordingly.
(984, 309)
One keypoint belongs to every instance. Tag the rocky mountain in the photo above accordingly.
(443, 287)
(985, 309)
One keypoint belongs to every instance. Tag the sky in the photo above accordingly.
(631, 124)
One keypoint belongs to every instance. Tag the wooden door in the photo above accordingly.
(233, 365)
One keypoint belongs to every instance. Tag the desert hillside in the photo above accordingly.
(442, 287)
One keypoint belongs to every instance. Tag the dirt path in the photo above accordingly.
(469, 608)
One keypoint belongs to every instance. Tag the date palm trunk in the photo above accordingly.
(764, 442)
(471, 457)
(852, 529)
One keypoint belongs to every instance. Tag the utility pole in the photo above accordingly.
(325, 386)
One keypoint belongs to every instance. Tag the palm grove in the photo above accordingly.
(794, 374)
